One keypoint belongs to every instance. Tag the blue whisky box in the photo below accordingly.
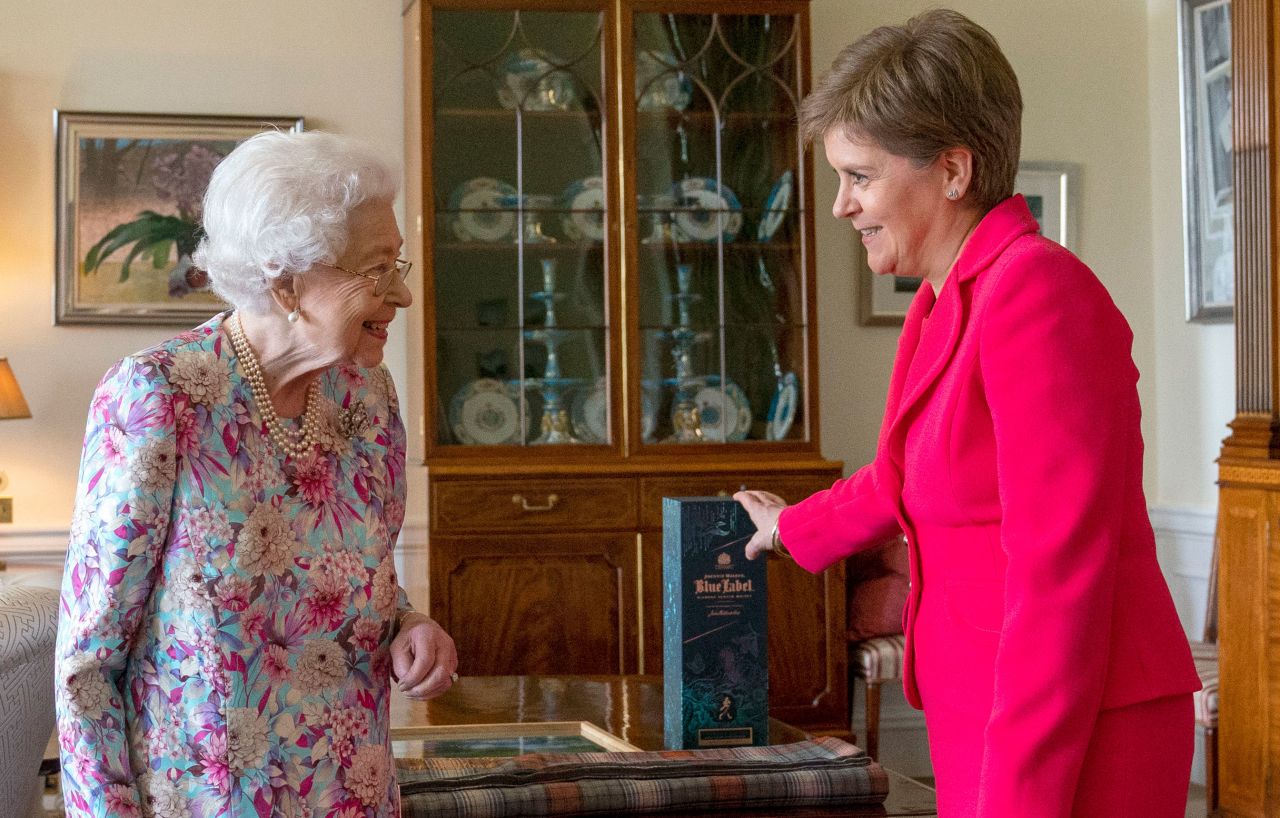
(715, 627)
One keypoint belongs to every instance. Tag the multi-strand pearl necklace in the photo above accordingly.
(294, 442)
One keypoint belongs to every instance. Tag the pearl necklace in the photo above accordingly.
(293, 442)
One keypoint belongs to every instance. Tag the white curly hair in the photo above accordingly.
(278, 204)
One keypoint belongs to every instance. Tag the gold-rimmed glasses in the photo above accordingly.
(383, 278)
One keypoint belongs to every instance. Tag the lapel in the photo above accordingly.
(947, 315)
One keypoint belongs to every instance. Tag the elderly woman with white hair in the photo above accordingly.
(231, 617)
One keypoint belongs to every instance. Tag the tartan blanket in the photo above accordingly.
(821, 772)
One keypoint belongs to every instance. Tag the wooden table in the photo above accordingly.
(630, 707)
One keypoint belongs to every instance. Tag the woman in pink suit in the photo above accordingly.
(1042, 642)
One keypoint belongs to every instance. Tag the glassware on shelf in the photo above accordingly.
(555, 424)
(658, 207)
(661, 83)
(584, 203)
(686, 420)
(531, 81)
(532, 206)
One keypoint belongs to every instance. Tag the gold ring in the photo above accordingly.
(454, 677)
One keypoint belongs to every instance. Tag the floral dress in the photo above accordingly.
(227, 611)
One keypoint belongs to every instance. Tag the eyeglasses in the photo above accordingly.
(399, 269)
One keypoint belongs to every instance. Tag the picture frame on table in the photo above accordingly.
(1204, 58)
(128, 197)
(1052, 193)
(501, 740)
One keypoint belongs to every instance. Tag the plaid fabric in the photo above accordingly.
(879, 659)
(824, 771)
(1205, 655)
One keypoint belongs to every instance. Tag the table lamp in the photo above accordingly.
(12, 406)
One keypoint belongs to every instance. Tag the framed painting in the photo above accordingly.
(1204, 57)
(129, 192)
(1052, 193)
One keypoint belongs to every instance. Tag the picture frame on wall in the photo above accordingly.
(1052, 193)
(129, 189)
(1204, 57)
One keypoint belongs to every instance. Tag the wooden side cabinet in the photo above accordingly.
(615, 225)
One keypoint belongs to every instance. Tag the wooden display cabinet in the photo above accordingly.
(616, 231)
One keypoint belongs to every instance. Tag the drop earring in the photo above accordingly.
(295, 315)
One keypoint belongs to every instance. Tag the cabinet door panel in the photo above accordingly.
(538, 605)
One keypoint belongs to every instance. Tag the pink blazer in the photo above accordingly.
(1023, 507)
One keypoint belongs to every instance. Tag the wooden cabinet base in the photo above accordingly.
(581, 592)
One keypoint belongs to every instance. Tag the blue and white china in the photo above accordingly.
(660, 84)
(485, 413)
(705, 211)
(782, 409)
(725, 414)
(589, 412)
(484, 210)
(532, 82)
(657, 208)
(584, 203)
(775, 207)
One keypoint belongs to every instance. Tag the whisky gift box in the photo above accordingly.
(715, 627)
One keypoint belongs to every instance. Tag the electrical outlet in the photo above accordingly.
(6, 509)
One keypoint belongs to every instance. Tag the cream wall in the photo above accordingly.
(337, 62)
(1085, 68)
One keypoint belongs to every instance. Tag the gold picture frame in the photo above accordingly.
(129, 190)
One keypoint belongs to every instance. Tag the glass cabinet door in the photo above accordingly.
(520, 274)
(720, 256)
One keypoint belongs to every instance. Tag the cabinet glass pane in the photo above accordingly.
(519, 263)
(721, 258)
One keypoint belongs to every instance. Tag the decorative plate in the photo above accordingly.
(532, 81)
(705, 211)
(584, 199)
(484, 212)
(660, 83)
(775, 207)
(485, 413)
(782, 409)
(589, 413)
(725, 415)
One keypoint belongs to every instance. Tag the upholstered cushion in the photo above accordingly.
(28, 622)
(877, 590)
(1206, 658)
(880, 659)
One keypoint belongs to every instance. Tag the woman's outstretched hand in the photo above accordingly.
(424, 660)
(763, 508)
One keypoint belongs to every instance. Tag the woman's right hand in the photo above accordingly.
(763, 508)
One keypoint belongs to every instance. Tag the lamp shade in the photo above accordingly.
(12, 404)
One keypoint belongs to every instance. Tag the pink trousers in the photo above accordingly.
(1138, 762)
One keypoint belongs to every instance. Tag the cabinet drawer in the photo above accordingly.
(493, 505)
(791, 487)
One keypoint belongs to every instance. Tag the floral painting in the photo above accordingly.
(129, 194)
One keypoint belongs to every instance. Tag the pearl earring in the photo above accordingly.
(953, 194)
(295, 315)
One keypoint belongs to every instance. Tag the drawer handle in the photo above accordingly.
(519, 499)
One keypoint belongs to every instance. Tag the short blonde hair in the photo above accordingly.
(938, 81)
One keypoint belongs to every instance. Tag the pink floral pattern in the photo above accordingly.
(227, 611)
